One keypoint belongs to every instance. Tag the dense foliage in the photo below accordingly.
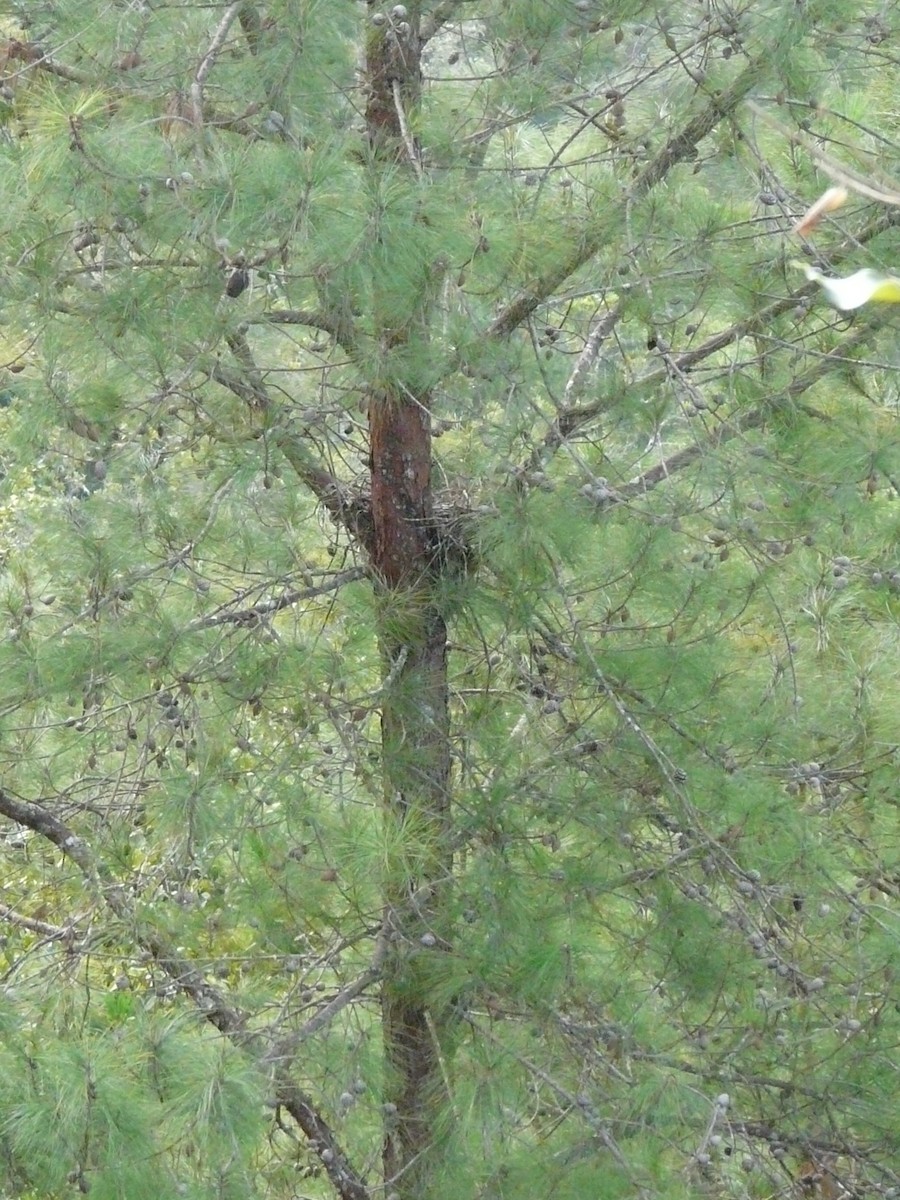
(449, 708)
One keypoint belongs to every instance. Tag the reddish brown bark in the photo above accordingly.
(416, 770)
(400, 443)
(415, 727)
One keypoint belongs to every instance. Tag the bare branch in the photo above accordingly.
(411, 151)
(267, 608)
(598, 335)
(209, 58)
(33, 925)
(287, 1047)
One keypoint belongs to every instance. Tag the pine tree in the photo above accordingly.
(449, 594)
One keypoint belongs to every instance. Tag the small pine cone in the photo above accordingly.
(238, 281)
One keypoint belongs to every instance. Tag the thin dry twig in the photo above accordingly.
(286, 1048)
(268, 608)
(598, 335)
(408, 142)
(209, 58)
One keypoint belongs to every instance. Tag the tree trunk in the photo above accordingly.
(415, 710)
(416, 770)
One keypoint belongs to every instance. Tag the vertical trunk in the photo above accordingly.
(416, 766)
(415, 710)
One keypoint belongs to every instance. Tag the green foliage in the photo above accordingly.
(666, 866)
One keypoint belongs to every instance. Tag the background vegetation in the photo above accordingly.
(448, 673)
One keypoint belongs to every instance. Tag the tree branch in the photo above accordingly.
(295, 316)
(350, 511)
(33, 925)
(573, 417)
(761, 320)
(755, 419)
(603, 327)
(209, 58)
(679, 147)
(210, 1003)
(287, 1048)
(31, 54)
(266, 608)
(411, 150)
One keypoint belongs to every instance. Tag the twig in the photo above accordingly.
(266, 608)
(753, 420)
(719, 1109)
(576, 416)
(598, 335)
(404, 129)
(286, 1048)
(240, 348)
(33, 925)
(209, 58)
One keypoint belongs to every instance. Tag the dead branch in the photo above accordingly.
(603, 327)
(33, 925)
(209, 58)
(411, 151)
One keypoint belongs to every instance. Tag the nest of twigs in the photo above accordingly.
(452, 527)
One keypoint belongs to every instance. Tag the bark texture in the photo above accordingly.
(415, 710)
(416, 770)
